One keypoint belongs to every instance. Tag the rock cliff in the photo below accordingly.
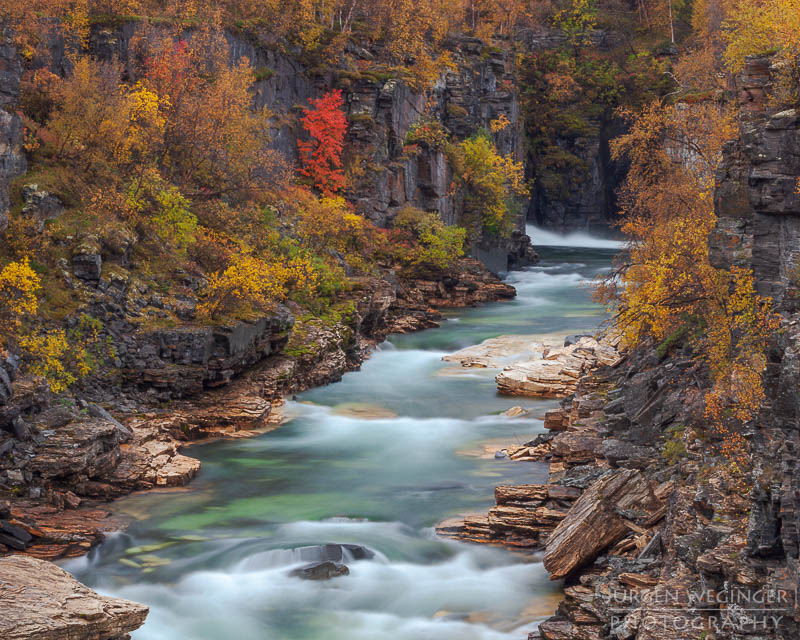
(12, 157)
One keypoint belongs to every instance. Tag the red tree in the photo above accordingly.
(321, 157)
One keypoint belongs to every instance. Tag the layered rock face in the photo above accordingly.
(39, 600)
(12, 156)
(757, 198)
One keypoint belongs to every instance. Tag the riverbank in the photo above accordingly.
(74, 457)
(645, 520)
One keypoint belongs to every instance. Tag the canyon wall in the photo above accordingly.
(579, 193)
(381, 108)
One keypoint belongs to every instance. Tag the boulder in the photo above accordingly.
(43, 602)
(89, 448)
(596, 520)
(320, 571)
(625, 454)
(87, 262)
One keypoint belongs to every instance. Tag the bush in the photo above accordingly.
(425, 243)
(19, 285)
(429, 133)
(174, 222)
(491, 183)
(251, 284)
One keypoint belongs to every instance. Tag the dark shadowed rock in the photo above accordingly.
(87, 262)
(320, 571)
(625, 454)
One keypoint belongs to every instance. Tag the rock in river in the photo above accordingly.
(320, 571)
(556, 373)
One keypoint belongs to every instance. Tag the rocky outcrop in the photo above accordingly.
(40, 601)
(605, 512)
(185, 360)
(556, 372)
(40, 207)
(524, 518)
(539, 369)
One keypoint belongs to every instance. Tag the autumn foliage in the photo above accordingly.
(321, 156)
(666, 286)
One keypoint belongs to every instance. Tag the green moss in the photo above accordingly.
(457, 111)
(361, 118)
(263, 73)
(675, 339)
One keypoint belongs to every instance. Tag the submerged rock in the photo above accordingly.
(41, 601)
(320, 571)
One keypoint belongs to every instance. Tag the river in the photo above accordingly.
(375, 460)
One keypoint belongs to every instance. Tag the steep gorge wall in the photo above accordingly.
(12, 158)
(386, 176)
(757, 199)
(579, 193)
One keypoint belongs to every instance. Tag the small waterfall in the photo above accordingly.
(543, 238)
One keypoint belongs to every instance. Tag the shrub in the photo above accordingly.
(252, 284)
(429, 133)
(19, 285)
(174, 222)
(491, 183)
(423, 243)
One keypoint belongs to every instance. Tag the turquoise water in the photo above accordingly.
(213, 561)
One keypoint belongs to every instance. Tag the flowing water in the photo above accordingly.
(375, 460)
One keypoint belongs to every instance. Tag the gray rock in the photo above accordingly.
(764, 524)
(47, 603)
(87, 266)
(21, 429)
(5, 387)
(40, 206)
(625, 454)
(320, 571)
(125, 434)
(12, 157)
